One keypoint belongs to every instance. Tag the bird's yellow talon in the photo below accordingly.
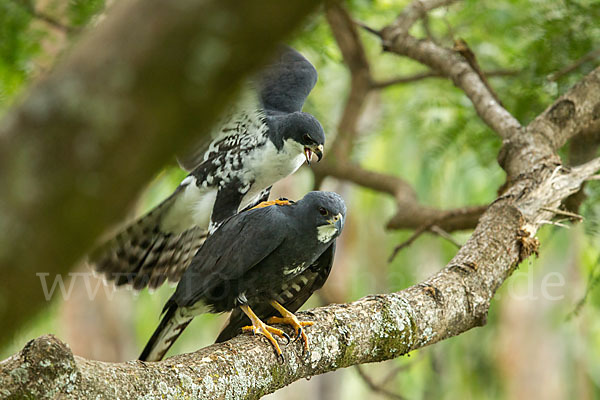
(260, 328)
(290, 319)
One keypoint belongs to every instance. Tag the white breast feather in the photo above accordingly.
(326, 232)
(267, 165)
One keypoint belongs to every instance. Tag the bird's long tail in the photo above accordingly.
(145, 255)
(174, 321)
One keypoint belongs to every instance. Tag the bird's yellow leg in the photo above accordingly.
(259, 327)
(289, 318)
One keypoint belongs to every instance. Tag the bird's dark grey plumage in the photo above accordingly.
(292, 295)
(262, 139)
(279, 253)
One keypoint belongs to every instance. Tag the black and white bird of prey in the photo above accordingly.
(264, 138)
(267, 260)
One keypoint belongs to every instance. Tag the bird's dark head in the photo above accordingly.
(305, 132)
(327, 211)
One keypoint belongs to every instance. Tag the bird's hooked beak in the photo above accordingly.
(308, 152)
(337, 221)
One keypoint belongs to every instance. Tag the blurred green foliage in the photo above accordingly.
(428, 133)
(18, 46)
(79, 12)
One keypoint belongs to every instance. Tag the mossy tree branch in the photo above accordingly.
(374, 328)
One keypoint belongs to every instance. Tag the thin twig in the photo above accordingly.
(569, 214)
(439, 221)
(569, 68)
(375, 387)
(434, 74)
(592, 281)
(555, 223)
(461, 46)
(367, 28)
(418, 232)
(431, 227)
(427, 28)
(442, 233)
(406, 79)
(450, 29)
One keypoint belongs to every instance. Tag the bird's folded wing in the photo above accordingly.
(315, 276)
(240, 243)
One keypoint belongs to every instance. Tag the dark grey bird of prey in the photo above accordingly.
(269, 258)
(264, 138)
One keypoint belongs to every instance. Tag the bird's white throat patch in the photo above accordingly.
(326, 232)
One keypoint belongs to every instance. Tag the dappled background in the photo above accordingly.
(541, 340)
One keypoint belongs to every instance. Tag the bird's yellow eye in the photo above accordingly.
(322, 211)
